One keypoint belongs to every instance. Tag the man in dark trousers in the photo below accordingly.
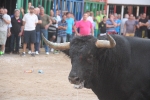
(16, 30)
(102, 26)
(143, 23)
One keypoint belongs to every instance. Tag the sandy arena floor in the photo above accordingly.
(53, 84)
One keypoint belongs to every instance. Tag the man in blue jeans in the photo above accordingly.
(70, 24)
(38, 35)
(44, 26)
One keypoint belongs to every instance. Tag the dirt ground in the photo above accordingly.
(53, 84)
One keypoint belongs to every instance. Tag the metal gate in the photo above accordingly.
(77, 7)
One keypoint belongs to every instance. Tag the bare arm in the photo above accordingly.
(22, 11)
(9, 33)
(92, 31)
(39, 22)
(46, 27)
(6, 21)
(109, 26)
(124, 30)
(114, 23)
(76, 32)
(22, 28)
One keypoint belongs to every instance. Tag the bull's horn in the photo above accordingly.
(105, 43)
(56, 46)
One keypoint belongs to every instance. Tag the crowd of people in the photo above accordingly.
(56, 28)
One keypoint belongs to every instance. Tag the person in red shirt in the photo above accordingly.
(84, 26)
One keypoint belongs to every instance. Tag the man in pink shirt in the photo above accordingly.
(84, 26)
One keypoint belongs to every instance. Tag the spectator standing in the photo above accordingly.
(29, 5)
(130, 26)
(90, 18)
(143, 23)
(97, 20)
(29, 21)
(111, 25)
(72, 16)
(28, 10)
(62, 26)
(70, 24)
(85, 26)
(123, 22)
(137, 26)
(52, 30)
(10, 25)
(5, 20)
(44, 26)
(58, 16)
(16, 30)
(118, 22)
(38, 35)
(102, 26)
(8, 32)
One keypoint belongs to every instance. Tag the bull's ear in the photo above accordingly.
(66, 52)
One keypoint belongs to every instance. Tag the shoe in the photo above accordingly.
(36, 53)
(17, 52)
(23, 54)
(52, 50)
(56, 52)
(33, 54)
(1, 53)
(29, 52)
(47, 53)
(10, 53)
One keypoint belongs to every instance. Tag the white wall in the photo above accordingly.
(129, 2)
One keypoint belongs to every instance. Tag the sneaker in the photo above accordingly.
(29, 52)
(56, 52)
(10, 53)
(47, 53)
(23, 54)
(36, 53)
(33, 54)
(1, 53)
(52, 50)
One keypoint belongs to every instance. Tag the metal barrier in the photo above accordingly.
(77, 7)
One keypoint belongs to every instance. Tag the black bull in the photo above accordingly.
(121, 72)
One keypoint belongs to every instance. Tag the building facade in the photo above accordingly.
(135, 7)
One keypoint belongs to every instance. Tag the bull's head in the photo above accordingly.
(83, 52)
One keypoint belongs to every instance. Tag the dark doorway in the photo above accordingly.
(141, 10)
(125, 10)
(118, 9)
(111, 9)
(10, 5)
(148, 10)
(134, 10)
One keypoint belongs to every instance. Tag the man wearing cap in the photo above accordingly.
(29, 21)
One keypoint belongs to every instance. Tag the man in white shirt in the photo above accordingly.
(29, 21)
(123, 22)
(4, 22)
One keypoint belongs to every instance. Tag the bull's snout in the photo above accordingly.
(74, 80)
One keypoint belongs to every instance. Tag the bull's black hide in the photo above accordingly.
(119, 73)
